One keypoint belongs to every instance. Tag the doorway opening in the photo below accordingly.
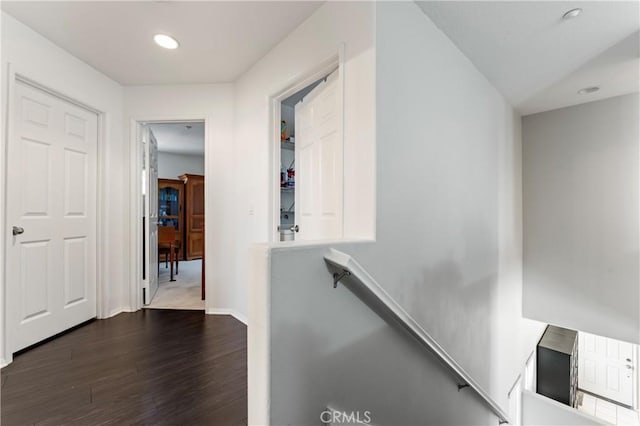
(288, 225)
(608, 379)
(596, 375)
(308, 157)
(173, 197)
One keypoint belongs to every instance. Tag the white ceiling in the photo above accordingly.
(524, 48)
(219, 40)
(538, 60)
(176, 138)
(616, 71)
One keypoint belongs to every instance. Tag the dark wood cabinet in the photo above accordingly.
(171, 208)
(194, 215)
(557, 365)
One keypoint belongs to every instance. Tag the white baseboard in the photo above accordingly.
(114, 313)
(237, 315)
(119, 310)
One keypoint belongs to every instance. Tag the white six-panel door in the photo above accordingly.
(151, 213)
(606, 367)
(51, 205)
(319, 162)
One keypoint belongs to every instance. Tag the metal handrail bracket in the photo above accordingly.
(351, 274)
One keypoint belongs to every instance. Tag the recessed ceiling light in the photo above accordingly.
(166, 41)
(588, 90)
(572, 13)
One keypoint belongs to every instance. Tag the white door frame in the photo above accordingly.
(296, 84)
(137, 209)
(16, 75)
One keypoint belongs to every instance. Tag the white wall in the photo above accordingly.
(213, 102)
(448, 237)
(538, 410)
(171, 165)
(449, 230)
(312, 43)
(582, 242)
(38, 59)
(312, 346)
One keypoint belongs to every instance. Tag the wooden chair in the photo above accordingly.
(168, 246)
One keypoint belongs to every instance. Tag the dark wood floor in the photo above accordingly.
(155, 367)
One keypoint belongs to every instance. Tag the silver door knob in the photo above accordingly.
(295, 228)
(17, 230)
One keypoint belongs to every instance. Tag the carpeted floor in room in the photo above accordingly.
(184, 293)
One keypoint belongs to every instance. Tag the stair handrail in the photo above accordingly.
(352, 275)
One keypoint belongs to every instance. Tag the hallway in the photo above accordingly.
(148, 367)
